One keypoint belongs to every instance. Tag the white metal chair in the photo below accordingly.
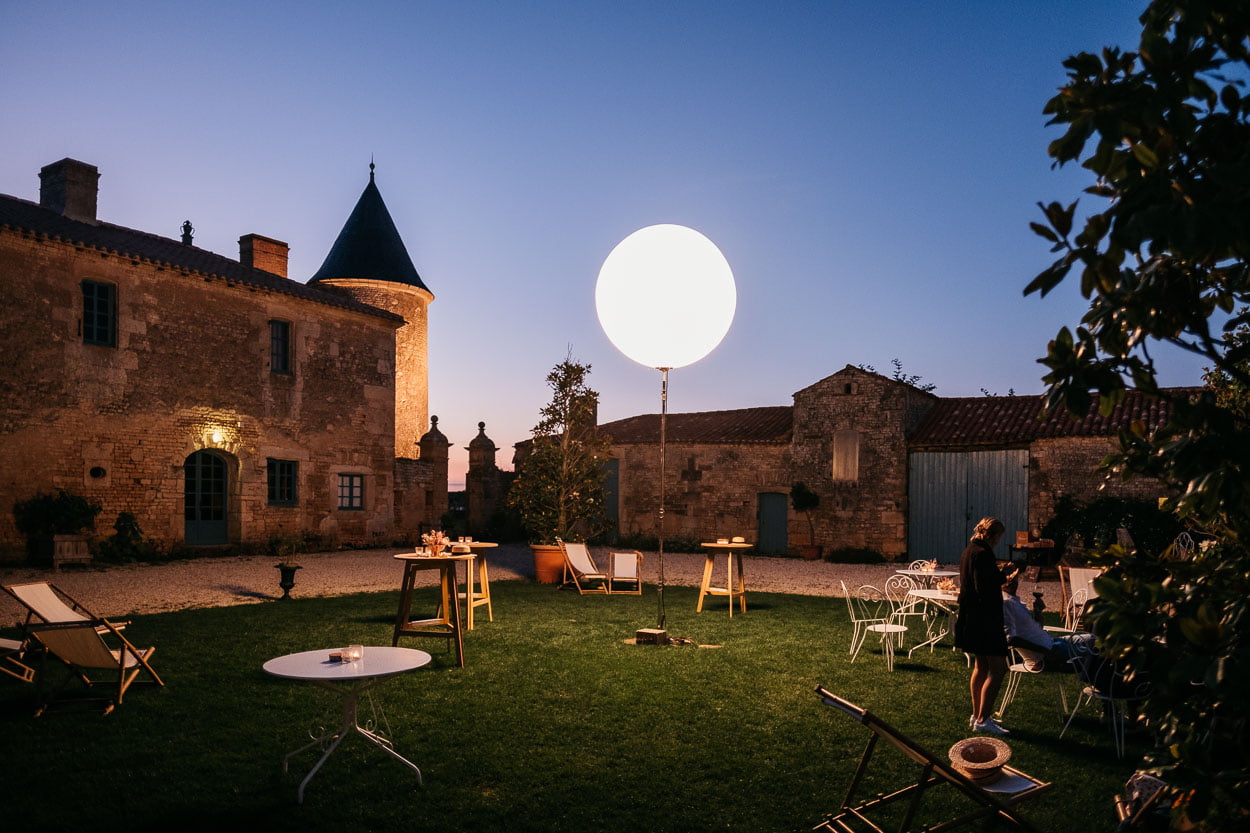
(904, 606)
(580, 569)
(1022, 665)
(1072, 613)
(1183, 546)
(1106, 685)
(83, 650)
(870, 613)
(625, 567)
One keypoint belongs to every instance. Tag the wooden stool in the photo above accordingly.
(481, 596)
(445, 624)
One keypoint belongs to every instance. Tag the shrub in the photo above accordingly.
(854, 555)
(40, 517)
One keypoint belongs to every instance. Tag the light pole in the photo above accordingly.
(665, 298)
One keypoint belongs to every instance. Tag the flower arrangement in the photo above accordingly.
(436, 541)
(929, 565)
(947, 584)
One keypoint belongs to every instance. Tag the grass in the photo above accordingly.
(556, 724)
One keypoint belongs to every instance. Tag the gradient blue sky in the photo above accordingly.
(868, 168)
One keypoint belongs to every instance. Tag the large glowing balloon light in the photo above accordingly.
(666, 296)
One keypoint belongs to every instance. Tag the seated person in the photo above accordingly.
(1038, 646)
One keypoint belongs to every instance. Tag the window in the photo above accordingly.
(846, 456)
(99, 313)
(351, 491)
(280, 346)
(283, 482)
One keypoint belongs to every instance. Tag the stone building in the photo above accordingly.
(219, 401)
(898, 470)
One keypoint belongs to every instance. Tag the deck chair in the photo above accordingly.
(83, 650)
(11, 652)
(625, 567)
(580, 570)
(47, 603)
(998, 798)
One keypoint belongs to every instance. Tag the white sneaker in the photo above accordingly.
(991, 726)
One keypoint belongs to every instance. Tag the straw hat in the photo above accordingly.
(980, 759)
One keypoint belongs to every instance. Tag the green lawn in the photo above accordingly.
(556, 724)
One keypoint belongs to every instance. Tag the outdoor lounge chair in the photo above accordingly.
(83, 650)
(996, 798)
(47, 603)
(580, 569)
(626, 569)
(11, 652)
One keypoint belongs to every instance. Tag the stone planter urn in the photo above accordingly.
(548, 563)
(287, 577)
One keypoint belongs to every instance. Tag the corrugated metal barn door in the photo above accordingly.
(948, 492)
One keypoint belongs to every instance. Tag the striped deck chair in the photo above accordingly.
(90, 659)
(580, 569)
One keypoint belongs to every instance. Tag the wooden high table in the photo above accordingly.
(445, 624)
(735, 586)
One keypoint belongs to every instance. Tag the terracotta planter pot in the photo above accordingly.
(548, 563)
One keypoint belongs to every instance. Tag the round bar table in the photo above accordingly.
(349, 680)
(735, 586)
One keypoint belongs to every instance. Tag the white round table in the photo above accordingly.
(349, 680)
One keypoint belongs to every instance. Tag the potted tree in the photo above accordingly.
(805, 500)
(559, 488)
(53, 523)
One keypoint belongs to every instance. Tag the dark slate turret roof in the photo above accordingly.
(369, 246)
(770, 424)
(28, 217)
(958, 422)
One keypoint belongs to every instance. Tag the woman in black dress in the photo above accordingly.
(979, 626)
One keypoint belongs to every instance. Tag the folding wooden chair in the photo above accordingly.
(47, 603)
(11, 652)
(580, 569)
(997, 798)
(83, 650)
(625, 568)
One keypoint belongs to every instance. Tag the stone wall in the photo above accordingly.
(869, 511)
(712, 490)
(190, 371)
(1070, 467)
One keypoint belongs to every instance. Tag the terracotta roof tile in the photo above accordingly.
(24, 216)
(1013, 420)
(771, 424)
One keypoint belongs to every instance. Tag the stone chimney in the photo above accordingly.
(70, 188)
(263, 253)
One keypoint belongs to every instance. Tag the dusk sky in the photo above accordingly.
(869, 170)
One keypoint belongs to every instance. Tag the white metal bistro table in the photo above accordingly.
(349, 680)
(945, 602)
(927, 576)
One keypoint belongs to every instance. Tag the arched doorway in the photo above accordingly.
(204, 499)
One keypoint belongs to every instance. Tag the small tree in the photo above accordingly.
(805, 500)
(559, 487)
(1168, 252)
